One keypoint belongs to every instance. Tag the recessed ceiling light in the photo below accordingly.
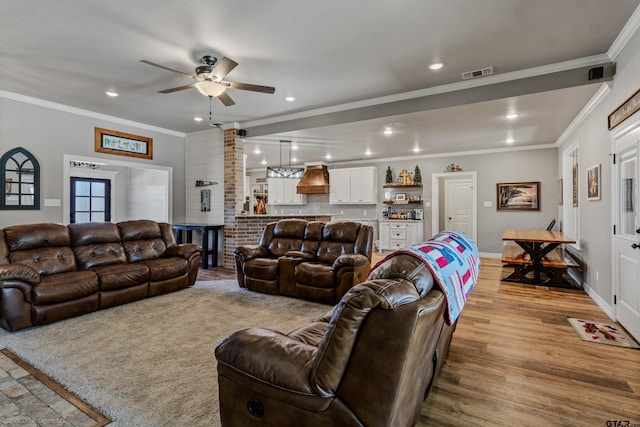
(436, 66)
(264, 161)
(416, 149)
(511, 116)
(290, 98)
(256, 151)
(111, 93)
(293, 159)
(197, 119)
(367, 153)
(509, 140)
(294, 147)
(388, 130)
(328, 156)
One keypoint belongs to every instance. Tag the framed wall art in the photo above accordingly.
(625, 110)
(593, 183)
(518, 196)
(123, 144)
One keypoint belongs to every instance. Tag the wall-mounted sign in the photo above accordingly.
(123, 144)
(625, 110)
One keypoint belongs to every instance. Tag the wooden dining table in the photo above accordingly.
(538, 245)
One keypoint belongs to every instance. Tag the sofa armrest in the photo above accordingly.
(269, 357)
(304, 256)
(245, 253)
(184, 250)
(350, 260)
(23, 273)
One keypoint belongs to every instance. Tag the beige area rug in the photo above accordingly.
(151, 363)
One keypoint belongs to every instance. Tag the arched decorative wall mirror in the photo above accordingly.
(20, 180)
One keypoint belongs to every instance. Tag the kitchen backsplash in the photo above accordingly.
(319, 204)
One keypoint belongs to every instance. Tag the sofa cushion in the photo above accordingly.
(46, 260)
(141, 250)
(87, 233)
(121, 276)
(338, 238)
(262, 268)
(166, 268)
(315, 274)
(95, 255)
(31, 236)
(62, 287)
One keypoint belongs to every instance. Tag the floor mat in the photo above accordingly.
(602, 333)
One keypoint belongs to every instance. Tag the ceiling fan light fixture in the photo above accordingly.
(210, 88)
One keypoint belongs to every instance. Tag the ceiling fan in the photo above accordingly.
(208, 79)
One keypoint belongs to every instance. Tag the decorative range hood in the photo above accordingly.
(315, 180)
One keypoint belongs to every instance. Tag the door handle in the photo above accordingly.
(635, 246)
(637, 230)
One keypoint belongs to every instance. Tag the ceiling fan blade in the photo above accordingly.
(247, 86)
(222, 68)
(166, 68)
(176, 89)
(226, 99)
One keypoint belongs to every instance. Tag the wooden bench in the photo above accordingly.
(557, 258)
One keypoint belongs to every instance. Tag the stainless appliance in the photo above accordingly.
(419, 214)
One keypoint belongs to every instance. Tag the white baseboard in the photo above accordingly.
(604, 306)
(489, 255)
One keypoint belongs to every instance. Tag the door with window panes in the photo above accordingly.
(90, 200)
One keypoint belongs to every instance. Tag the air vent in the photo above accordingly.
(477, 73)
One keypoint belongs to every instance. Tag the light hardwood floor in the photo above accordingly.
(515, 361)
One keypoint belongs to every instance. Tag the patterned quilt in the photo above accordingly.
(453, 260)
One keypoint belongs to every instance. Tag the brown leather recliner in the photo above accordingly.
(368, 362)
(307, 259)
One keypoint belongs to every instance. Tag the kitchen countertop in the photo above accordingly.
(280, 215)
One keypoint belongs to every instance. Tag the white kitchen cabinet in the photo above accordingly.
(395, 234)
(353, 186)
(282, 191)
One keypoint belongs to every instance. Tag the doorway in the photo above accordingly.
(138, 191)
(455, 195)
(626, 238)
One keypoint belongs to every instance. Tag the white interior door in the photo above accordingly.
(626, 245)
(458, 209)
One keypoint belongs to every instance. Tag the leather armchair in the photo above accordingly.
(368, 362)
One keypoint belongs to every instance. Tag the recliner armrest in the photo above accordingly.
(305, 256)
(248, 252)
(19, 272)
(269, 357)
(184, 250)
(350, 260)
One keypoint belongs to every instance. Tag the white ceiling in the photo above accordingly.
(346, 62)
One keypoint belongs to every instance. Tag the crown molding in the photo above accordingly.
(595, 100)
(86, 113)
(625, 35)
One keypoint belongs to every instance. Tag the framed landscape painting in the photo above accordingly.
(518, 196)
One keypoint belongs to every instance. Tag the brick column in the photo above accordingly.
(233, 192)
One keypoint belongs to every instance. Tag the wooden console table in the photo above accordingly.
(210, 233)
(538, 251)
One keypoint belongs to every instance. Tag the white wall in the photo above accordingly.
(595, 147)
(205, 160)
(49, 131)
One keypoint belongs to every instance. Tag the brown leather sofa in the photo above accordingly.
(370, 361)
(312, 260)
(50, 272)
